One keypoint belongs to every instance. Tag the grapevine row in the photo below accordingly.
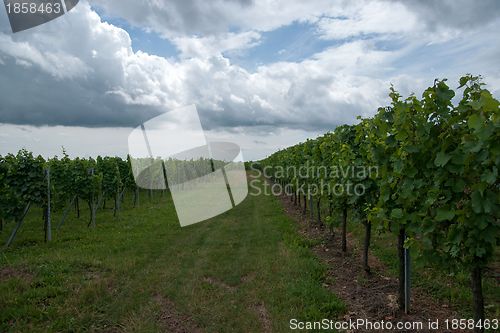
(60, 184)
(436, 181)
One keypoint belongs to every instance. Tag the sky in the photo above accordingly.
(265, 74)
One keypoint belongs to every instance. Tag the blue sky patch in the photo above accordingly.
(293, 43)
(146, 41)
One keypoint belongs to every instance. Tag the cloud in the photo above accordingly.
(255, 143)
(85, 73)
(65, 72)
(171, 18)
(59, 64)
(175, 18)
(427, 20)
(206, 47)
(458, 14)
(337, 18)
(367, 18)
(81, 71)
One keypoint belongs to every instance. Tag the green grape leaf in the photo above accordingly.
(441, 159)
(397, 213)
(444, 214)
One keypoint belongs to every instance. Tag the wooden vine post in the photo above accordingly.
(48, 224)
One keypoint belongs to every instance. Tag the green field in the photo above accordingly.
(245, 271)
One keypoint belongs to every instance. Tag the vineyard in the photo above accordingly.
(424, 169)
(139, 271)
(61, 185)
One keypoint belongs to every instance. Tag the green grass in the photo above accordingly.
(110, 278)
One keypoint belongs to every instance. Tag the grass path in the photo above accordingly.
(248, 270)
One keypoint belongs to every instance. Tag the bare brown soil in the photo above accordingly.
(265, 322)
(173, 321)
(7, 273)
(367, 296)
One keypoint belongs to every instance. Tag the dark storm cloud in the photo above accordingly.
(461, 14)
(84, 72)
(30, 96)
(177, 17)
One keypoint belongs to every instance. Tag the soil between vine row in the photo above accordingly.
(368, 296)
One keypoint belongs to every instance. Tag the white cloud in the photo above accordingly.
(91, 142)
(338, 19)
(175, 18)
(78, 70)
(369, 17)
(206, 47)
(58, 64)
